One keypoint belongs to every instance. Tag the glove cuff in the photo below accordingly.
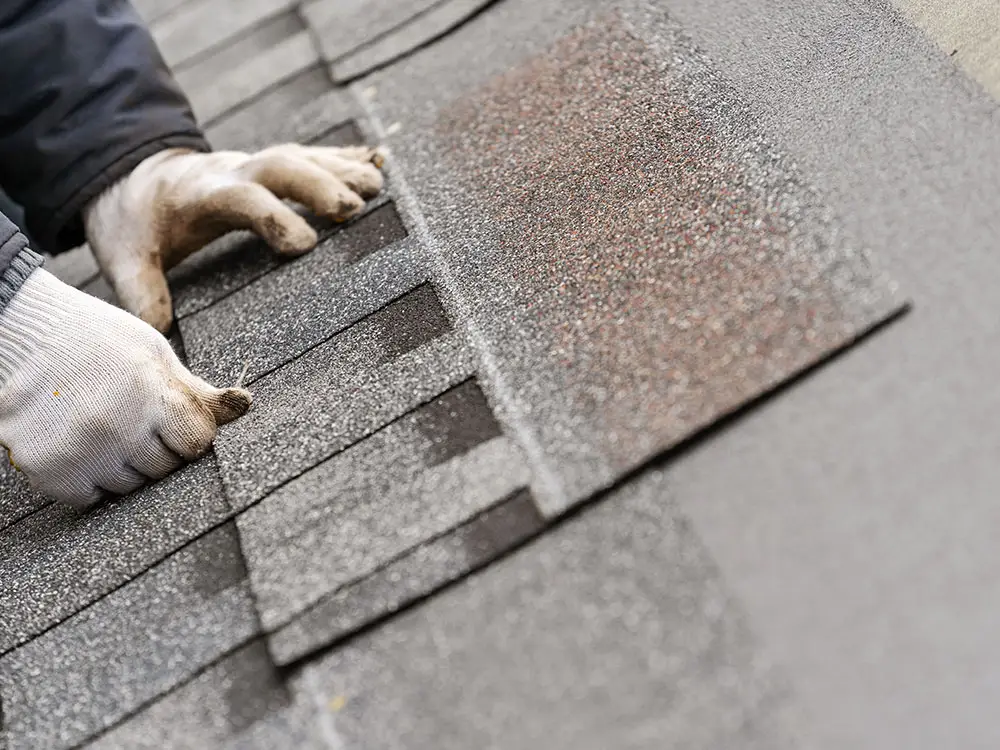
(37, 306)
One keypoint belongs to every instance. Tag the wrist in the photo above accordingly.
(140, 187)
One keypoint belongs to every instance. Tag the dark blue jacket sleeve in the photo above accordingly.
(84, 97)
(17, 260)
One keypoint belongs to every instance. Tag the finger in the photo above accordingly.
(154, 459)
(188, 426)
(143, 291)
(363, 178)
(254, 207)
(297, 178)
(227, 404)
(120, 480)
(224, 404)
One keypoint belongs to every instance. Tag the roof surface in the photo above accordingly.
(523, 468)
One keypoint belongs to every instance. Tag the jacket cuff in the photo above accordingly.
(63, 229)
(25, 261)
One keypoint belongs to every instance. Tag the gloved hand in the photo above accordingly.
(177, 201)
(94, 399)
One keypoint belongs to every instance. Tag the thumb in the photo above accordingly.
(225, 404)
(142, 290)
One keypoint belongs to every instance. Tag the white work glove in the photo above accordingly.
(93, 399)
(177, 201)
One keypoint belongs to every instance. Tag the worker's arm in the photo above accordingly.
(84, 97)
(98, 142)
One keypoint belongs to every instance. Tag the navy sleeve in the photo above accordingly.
(84, 97)
(17, 260)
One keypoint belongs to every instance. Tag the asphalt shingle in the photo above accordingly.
(605, 243)
(58, 560)
(239, 258)
(198, 26)
(242, 702)
(304, 302)
(129, 648)
(99, 287)
(638, 259)
(153, 10)
(17, 499)
(233, 75)
(75, 267)
(422, 28)
(613, 630)
(344, 26)
(339, 392)
(408, 578)
(307, 100)
(408, 483)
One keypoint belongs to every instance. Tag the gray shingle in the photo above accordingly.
(99, 287)
(439, 19)
(75, 267)
(241, 703)
(236, 260)
(612, 631)
(58, 560)
(409, 578)
(638, 259)
(283, 115)
(260, 123)
(203, 24)
(17, 499)
(339, 392)
(153, 10)
(129, 648)
(342, 27)
(201, 74)
(304, 301)
(410, 482)
(232, 76)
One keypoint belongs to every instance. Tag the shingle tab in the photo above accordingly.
(237, 259)
(153, 10)
(410, 482)
(646, 261)
(58, 560)
(439, 19)
(305, 301)
(343, 26)
(263, 121)
(278, 116)
(273, 53)
(408, 578)
(17, 499)
(99, 287)
(339, 392)
(129, 648)
(613, 630)
(74, 267)
(241, 703)
(198, 26)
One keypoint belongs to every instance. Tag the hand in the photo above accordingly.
(177, 201)
(93, 400)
